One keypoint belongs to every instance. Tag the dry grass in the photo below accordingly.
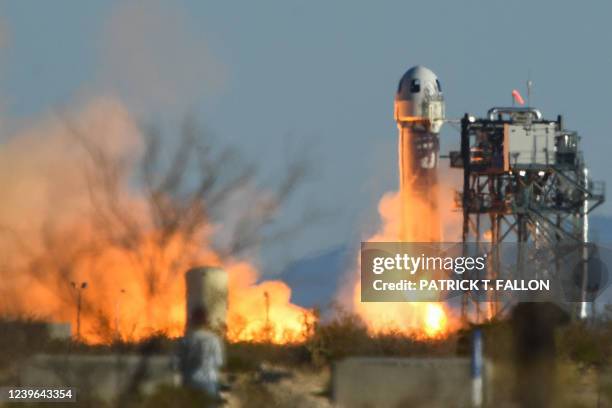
(583, 356)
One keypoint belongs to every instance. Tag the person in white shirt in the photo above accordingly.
(200, 355)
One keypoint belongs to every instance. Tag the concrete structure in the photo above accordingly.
(207, 288)
(38, 329)
(59, 331)
(402, 382)
(105, 377)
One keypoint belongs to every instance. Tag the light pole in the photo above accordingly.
(117, 313)
(79, 289)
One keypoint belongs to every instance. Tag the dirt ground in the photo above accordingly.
(278, 387)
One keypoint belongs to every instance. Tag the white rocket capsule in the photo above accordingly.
(419, 101)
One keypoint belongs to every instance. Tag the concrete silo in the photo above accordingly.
(206, 288)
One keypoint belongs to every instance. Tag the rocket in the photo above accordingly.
(419, 113)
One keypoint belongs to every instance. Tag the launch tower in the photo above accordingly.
(524, 180)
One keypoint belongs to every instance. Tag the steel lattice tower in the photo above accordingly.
(524, 181)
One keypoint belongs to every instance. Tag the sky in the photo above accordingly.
(279, 76)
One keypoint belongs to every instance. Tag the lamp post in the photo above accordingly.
(79, 289)
(118, 313)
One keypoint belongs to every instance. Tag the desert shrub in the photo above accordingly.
(249, 356)
(346, 335)
(341, 337)
(498, 342)
(586, 344)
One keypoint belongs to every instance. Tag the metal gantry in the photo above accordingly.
(524, 181)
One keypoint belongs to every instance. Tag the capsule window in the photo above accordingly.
(415, 86)
(439, 87)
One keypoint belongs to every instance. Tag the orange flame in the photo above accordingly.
(435, 320)
(264, 312)
(407, 216)
(419, 319)
(52, 235)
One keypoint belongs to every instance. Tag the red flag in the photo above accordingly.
(517, 97)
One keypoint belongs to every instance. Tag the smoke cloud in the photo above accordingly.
(73, 212)
(152, 55)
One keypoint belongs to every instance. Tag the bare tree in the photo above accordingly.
(187, 181)
(184, 182)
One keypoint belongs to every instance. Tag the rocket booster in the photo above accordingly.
(419, 113)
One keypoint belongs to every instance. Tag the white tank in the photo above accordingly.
(419, 100)
(206, 288)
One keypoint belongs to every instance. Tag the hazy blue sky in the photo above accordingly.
(320, 74)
